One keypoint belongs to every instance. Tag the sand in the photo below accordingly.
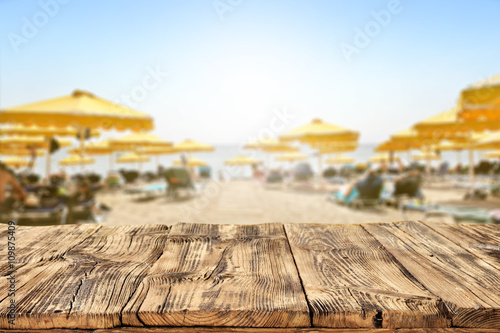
(249, 202)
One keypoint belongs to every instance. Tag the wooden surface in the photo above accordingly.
(257, 330)
(372, 277)
(351, 281)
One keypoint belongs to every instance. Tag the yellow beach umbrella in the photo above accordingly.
(494, 154)
(427, 156)
(270, 145)
(138, 140)
(76, 160)
(15, 161)
(192, 162)
(49, 131)
(19, 151)
(132, 158)
(24, 141)
(383, 158)
(158, 151)
(191, 146)
(394, 146)
(448, 125)
(319, 131)
(291, 157)
(81, 109)
(489, 142)
(39, 142)
(481, 101)
(94, 148)
(452, 146)
(46, 132)
(241, 160)
(406, 140)
(98, 148)
(334, 147)
(339, 159)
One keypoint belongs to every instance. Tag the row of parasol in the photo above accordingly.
(33, 127)
(466, 126)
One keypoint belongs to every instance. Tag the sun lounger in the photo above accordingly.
(357, 199)
(37, 216)
(150, 191)
(466, 185)
(456, 213)
(179, 182)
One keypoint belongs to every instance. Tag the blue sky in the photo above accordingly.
(231, 69)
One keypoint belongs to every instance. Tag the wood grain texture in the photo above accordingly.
(253, 330)
(222, 275)
(351, 281)
(34, 244)
(482, 241)
(286, 330)
(237, 278)
(89, 285)
(469, 286)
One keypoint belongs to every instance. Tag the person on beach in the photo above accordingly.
(369, 187)
(409, 184)
(8, 181)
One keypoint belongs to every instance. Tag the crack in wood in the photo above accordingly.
(309, 306)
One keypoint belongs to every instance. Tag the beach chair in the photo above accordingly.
(302, 172)
(82, 211)
(205, 173)
(368, 197)
(274, 177)
(147, 192)
(405, 191)
(179, 182)
(36, 214)
(47, 208)
(454, 213)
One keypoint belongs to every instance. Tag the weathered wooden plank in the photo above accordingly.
(91, 283)
(351, 281)
(469, 286)
(481, 240)
(35, 244)
(287, 330)
(222, 275)
(254, 330)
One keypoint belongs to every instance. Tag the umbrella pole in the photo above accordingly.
(47, 160)
(111, 161)
(471, 167)
(320, 164)
(47, 165)
(459, 157)
(82, 147)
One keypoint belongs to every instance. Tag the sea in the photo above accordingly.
(224, 152)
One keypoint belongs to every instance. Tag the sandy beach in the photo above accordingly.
(249, 202)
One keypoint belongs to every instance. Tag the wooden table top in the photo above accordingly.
(316, 277)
